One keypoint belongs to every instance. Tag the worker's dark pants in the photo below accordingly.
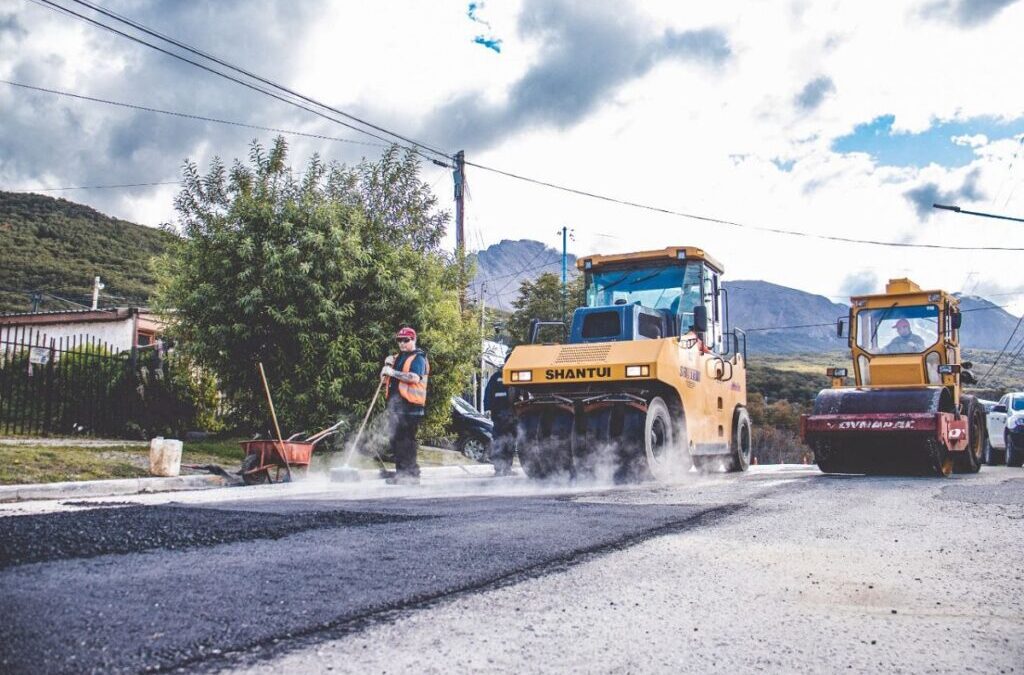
(403, 442)
(503, 445)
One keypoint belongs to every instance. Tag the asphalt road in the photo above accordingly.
(771, 570)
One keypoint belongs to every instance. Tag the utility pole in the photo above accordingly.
(565, 268)
(37, 298)
(483, 382)
(459, 176)
(96, 288)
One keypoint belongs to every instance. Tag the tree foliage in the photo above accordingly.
(58, 246)
(542, 299)
(311, 274)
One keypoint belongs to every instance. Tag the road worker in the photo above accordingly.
(498, 399)
(406, 394)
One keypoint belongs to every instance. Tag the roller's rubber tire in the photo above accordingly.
(971, 460)
(742, 439)
(663, 450)
(548, 456)
(1014, 455)
(937, 460)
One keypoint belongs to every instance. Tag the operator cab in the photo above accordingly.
(651, 295)
(906, 336)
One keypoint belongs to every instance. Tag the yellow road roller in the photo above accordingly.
(648, 380)
(907, 412)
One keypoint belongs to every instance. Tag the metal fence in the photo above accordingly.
(64, 386)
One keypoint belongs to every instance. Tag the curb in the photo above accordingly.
(133, 486)
(106, 488)
(452, 471)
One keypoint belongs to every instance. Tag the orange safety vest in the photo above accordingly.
(413, 393)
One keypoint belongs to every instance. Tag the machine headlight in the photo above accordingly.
(949, 369)
(522, 375)
(638, 371)
(836, 372)
(1019, 422)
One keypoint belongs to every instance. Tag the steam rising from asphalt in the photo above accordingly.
(602, 465)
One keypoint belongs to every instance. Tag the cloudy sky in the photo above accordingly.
(844, 119)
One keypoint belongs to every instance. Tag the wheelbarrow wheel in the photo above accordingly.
(251, 477)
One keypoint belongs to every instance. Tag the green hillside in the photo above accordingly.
(57, 246)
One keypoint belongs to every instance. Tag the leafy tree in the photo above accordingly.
(312, 274)
(542, 299)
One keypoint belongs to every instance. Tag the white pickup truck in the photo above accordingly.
(1006, 431)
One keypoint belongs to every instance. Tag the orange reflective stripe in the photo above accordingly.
(413, 393)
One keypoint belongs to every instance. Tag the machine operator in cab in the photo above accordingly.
(905, 341)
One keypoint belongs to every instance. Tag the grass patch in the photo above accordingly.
(23, 464)
(54, 464)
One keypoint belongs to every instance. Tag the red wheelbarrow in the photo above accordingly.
(268, 461)
(266, 457)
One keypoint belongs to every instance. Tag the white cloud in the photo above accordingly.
(974, 141)
(681, 136)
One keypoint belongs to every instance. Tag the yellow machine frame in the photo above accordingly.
(706, 389)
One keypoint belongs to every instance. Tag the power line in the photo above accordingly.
(1001, 352)
(732, 223)
(832, 323)
(417, 144)
(203, 118)
(249, 85)
(96, 187)
(193, 50)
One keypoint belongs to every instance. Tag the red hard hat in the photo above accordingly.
(406, 333)
(903, 322)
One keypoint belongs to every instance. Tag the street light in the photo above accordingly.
(957, 209)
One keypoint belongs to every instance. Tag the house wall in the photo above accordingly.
(118, 334)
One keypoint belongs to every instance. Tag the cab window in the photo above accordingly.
(898, 330)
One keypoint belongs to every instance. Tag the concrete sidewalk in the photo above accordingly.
(133, 486)
(107, 488)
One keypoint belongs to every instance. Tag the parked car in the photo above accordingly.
(475, 430)
(988, 451)
(1006, 430)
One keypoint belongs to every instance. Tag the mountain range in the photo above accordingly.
(58, 246)
(758, 307)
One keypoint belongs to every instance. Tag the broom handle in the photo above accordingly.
(362, 426)
(273, 416)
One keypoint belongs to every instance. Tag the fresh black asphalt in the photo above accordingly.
(161, 587)
(60, 536)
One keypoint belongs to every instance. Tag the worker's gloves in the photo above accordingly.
(387, 371)
(390, 360)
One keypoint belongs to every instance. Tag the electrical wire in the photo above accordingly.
(584, 193)
(95, 187)
(832, 323)
(193, 50)
(1002, 351)
(733, 223)
(52, 5)
(202, 118)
